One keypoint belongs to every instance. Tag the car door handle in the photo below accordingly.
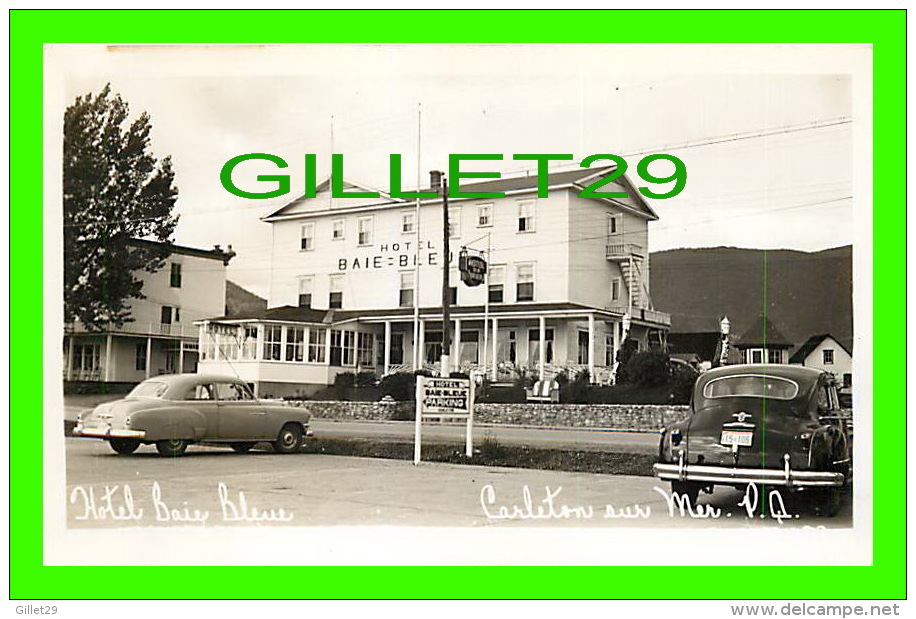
(258, 413)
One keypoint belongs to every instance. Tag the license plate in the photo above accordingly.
(741, 439)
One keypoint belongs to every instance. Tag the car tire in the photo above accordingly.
(289, 440)
(171, 448)
(124, 446)
(688, 490)
(241, 448)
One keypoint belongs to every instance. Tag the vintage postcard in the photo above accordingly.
(625, 288)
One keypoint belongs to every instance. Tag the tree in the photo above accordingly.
(114, 191)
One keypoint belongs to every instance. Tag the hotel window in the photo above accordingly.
(249, 342)
(272, 342)
(407, 223)
(166, 316)
(337, 230)
(613, 225)
(317, 339)
(306, 284)
(469, 347)
(407, 288)
(534, 344)
(397, 348)
(497, 280)
(615, 289)
(307, 238)
(484, 215)
(295, 343)
(175, 276)
(828, 356)
(524, 282)
(454, 222)
(774, 356)
(349, 348)
(582, 348)
(364, 231)
(609, 349)
(433, 346)
(140, 358)
(364, 349)
(453, 279)
(379, 349)
(526, 216)
(335, 299)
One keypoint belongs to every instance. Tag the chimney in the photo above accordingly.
(435, 180)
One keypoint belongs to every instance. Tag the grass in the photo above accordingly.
(491, 453)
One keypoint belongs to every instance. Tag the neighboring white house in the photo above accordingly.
(346, 274)
(162, 337)
(824, 352)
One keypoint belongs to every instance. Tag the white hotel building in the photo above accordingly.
(566, 276)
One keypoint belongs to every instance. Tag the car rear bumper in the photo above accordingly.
(729, 475)
(107, 432)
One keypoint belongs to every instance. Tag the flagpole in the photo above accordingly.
(417, 353)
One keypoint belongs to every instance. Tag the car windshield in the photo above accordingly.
(751, 386)
(148, 389)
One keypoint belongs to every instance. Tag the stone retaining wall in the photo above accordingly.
(634, 417)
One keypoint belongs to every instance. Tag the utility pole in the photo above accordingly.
(445, 371)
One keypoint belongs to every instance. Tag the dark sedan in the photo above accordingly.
(773, 425)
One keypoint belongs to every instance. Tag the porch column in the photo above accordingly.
(421, 352)
(70, 360)
(456, 346)
(542, 345)
(149, 354)
(181, 356)
(387, 347)
(591, 348)
(259, 352)
(108, 358)
(494, 348)
(327, 346)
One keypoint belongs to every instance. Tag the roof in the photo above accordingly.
(702, 344)
(808, 347)
(216, 253)
(579, 177)
(288, 313)
(763, 334)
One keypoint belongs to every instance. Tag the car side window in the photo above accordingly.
(232, 392)
(199, 392)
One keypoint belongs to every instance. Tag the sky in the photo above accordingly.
(767, 133)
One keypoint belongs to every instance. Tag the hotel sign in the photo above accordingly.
(473, 269)
(445, 395)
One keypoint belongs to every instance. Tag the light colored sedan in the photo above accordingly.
(177, 410)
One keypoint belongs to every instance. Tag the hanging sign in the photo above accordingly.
(473, 269)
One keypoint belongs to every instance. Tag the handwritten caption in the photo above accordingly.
(552, 507)
(117, 503)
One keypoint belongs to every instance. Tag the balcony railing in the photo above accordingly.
(642, 313)
(139, 328)
(619, 251)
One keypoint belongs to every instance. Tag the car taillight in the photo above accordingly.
(805, 439)
(676, 437)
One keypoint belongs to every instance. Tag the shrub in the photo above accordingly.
(648, 369)
(401, 386)
(683, 378)
(627, 350)
(366, 379)
(344, 380)
(575, 391)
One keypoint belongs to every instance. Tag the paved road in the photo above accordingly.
(205, 488)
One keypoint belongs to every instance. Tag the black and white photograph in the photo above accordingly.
(556, 304)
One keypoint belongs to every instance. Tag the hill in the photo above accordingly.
(802, 293)
(240, 301)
